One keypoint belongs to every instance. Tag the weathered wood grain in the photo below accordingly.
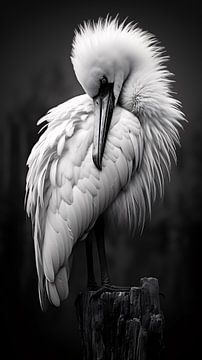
(122, 325)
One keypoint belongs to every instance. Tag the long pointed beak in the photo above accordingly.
(103, 110)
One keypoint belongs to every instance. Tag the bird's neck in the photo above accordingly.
(147, 95)
(142, 91)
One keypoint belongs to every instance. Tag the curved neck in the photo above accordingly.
(145, 87)
(128, 93)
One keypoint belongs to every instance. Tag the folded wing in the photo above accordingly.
(66, 193)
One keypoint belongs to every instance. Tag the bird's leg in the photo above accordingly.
(106, 284)
(92, 285)
(99, 233)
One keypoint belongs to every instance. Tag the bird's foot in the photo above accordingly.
(115, 288)
(108, 287)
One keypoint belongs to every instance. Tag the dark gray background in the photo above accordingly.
(36, 74)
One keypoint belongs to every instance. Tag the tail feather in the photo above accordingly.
(54, 292)
(61, 284)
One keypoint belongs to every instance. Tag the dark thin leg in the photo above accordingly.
(106, 284)
(99, 233)
(90, 268)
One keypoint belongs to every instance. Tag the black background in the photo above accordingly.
(36, 74)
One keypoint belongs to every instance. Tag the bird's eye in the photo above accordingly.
(103, 81)
(103, 86)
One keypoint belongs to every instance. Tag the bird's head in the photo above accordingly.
(106, 56)
(102, 64)
(101, 58)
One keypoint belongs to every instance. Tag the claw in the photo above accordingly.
(108, 288)
(93, 287)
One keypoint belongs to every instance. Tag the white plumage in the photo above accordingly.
(65, 191)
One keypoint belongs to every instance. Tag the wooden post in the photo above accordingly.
(122, 325)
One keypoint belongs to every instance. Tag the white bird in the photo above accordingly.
(103, 153)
